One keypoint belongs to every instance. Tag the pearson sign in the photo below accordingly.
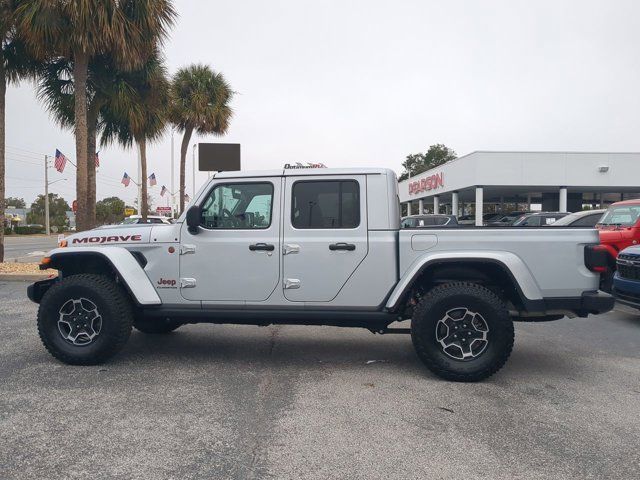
(426, 184)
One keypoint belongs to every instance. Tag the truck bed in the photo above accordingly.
(528, 251)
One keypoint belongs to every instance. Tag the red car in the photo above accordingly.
(619, 228)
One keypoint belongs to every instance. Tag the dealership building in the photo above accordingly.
(484, 182)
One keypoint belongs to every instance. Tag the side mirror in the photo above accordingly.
(194, 215)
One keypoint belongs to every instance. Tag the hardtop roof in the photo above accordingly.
(307, 172)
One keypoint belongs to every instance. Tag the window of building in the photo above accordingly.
(238, 206)
(325, 204)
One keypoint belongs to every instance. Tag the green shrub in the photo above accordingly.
(7, 231)
(29, 230)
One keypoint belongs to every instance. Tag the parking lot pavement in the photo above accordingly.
(307, 402)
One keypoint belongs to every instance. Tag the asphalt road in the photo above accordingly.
(28, 249)
(305, 402)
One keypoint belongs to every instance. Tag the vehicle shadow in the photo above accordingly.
(275, 346)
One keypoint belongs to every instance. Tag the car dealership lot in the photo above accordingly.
(318, 402)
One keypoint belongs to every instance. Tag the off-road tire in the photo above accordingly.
(435, 305)
(156, 325)
(114, 307)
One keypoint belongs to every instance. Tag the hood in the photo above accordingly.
(632, 250)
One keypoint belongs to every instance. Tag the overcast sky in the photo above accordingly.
(367, 82)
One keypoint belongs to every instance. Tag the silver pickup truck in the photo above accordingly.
(316, 247)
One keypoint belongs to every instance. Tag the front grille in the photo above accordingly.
(628, 268)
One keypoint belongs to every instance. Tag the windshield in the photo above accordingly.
(128, 221)
(622, 216)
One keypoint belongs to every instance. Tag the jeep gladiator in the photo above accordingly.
(316, 247)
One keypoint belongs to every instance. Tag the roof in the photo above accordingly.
(628, 202)
(296, 172)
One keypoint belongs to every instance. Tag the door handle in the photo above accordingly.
(342, 246)
(262, 246)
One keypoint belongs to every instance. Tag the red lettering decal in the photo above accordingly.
(80, 240)
(94, 239)
(136, 238)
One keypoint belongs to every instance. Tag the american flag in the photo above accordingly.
(163, 190)
(186, 198)
(152, 180)
(97, 160)
(60, 162)
(125, 179)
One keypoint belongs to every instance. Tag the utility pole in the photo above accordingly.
(173, 200)
(47, 226)
(139, 182)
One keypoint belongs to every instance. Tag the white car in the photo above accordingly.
(137, 220)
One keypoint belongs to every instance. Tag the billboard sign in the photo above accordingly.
(218, 157)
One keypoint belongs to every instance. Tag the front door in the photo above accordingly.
(235, 255)
(325, 235)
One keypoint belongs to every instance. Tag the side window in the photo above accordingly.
(441, 221)
(325, 204)
(238, 206)
(587, 221)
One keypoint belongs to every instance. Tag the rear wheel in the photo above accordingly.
(84, 319)
(462, 332)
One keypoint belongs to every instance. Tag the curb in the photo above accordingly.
(27, 277)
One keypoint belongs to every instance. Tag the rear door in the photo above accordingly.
(325, 235)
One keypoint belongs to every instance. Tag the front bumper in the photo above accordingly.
(626, 291)
(36, 290)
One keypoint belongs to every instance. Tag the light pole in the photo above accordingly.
(47, 230)
(46, 198)
(194, 170)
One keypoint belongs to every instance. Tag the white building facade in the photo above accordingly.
(489, 181)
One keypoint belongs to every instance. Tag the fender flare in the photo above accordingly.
(513, 265)
(122, 262)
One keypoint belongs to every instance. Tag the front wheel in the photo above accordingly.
(462, 331)
(84, 319)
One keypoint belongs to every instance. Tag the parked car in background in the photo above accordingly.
(626, 280)
(151, 219)
(538, 219)
(619, 228)
(430, 220)
(586, 218)
(467, 220)
(507, 219)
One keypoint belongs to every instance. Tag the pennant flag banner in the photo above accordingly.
(163, 190)
(186, 198)
(152, 180)
(60, 162)
(125, 179)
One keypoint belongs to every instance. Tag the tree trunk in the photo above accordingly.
(80, 73)
(92, 125)
(183, 161)
(144, 201)
(3, 91)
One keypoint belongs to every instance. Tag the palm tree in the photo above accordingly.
(55, 89)
(200, 101)
(136, 112)
(79, 31)
(14, 65)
